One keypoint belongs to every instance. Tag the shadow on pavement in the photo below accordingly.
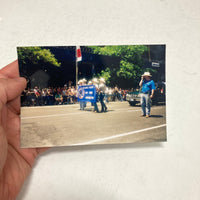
(91, 110)
(137, 105)
(157, 116)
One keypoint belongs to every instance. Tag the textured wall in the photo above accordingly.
(148, 171)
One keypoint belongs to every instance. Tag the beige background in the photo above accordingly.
(150, 171)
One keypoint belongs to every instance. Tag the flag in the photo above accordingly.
(78, 54)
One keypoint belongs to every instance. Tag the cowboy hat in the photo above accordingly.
(95, 80)
(80, 81)
(102, 80)
(146, 74)
(84, 80)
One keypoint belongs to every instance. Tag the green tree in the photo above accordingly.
(128, 73)
(36, 55)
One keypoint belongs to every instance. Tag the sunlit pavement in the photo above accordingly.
(68, 125)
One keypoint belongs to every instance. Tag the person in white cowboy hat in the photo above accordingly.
(80, 83)
(84, 83)
(147, 92)
(89, 82)
(95, 83)
(102, 90)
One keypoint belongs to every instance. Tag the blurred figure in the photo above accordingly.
(64, 94)
(89, 82)
(58, 98)
(84, 83)
(102, 90)
(50, 97)
(116, 93)
(73, 91)
(80, 83)
(120, 94)
(95, 83)
(44, 96)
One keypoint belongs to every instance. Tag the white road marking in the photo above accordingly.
(82, 112)
(43, 116)
(119, 135)
(67, 105)
(53, 106)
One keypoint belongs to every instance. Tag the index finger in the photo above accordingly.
(11, 70)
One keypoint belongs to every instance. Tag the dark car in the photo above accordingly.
(159, 94)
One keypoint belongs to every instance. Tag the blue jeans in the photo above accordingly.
(95, 107)
(103, 105)
(146, 104)
(82, 105)
(106, 98)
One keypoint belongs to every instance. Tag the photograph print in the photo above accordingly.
(89, 95)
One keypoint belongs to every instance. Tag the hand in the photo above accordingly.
(151, 96)
(15, 163)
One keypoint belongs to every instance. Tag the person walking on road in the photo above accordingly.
(147, 92)
(95, 83)
(102, 90)
(80, 83)
(84, 82)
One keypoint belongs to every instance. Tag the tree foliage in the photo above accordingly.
(130, 67)
(36, 55)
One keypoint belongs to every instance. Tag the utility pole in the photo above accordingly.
(149, 53)
(76, 71)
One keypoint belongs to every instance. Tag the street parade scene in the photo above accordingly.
(92, 95)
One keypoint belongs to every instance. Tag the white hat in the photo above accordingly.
(89, 82)
(95, 80)
(80, 81)
(102, 80)
(84, 80)
(146, 74)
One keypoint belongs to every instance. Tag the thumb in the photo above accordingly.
(11, 88)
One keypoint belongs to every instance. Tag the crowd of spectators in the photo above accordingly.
(49, 96)
(63, 95)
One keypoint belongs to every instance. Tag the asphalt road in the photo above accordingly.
(67, 125)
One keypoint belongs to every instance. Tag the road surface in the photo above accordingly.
(67, 125)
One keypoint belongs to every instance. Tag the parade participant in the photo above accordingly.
(95, 83)
(84, 83)
(147, 92)
(80, 83)
(102, 89)
(106, 95)
(89, 82)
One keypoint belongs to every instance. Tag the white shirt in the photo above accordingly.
(102, 87)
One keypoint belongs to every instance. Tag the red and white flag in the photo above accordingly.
(78, 54)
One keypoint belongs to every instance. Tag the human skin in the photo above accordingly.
(15, 163)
